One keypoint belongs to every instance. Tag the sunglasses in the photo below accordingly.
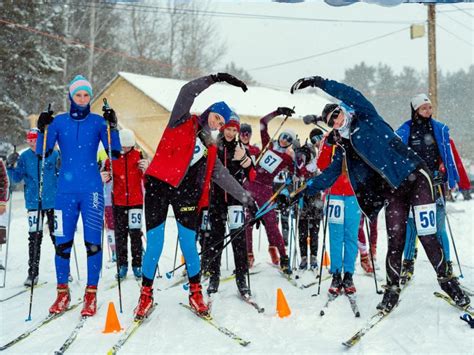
(333, 116)
(287, 137)
(245, 134)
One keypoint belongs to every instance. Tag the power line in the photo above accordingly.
(162, 9)
(454, 35)
(328, 52)
(459, 22)
(463, 10)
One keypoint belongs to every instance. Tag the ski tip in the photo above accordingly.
(346, 344)
(168, 275)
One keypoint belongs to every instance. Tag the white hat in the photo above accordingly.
(419, 100)
(127, 138)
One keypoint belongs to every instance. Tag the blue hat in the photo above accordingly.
(79, 83)
(222, 109)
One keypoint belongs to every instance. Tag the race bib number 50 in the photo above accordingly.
(270, 161)
(425, 219)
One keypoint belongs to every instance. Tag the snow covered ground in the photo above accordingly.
(420, 324)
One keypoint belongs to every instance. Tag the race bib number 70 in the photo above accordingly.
(336, 212)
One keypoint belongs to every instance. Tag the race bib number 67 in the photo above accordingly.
(270, 161)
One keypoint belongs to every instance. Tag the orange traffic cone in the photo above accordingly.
(326, 261)
(283, 309)
(112, 324)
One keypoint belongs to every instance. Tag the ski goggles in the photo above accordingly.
(245, 134)
(332, 116)
(316, 139)
(286, 137)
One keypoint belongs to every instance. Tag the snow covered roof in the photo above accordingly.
(257, 101)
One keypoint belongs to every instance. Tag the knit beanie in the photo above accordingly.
(80, 83)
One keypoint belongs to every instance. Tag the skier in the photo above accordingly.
(382, 170)
(127, 201)
(4, 197)
(180, 175)
(430, 139)
(311, 211)
(343, 217)
(27, 167)
(108, 208)
(364, 252)
(254, 151)
(224, 209)
(279, 156)
(78, 133)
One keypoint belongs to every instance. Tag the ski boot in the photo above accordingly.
(62, 299)
(145, 303)
(122, 273)
(366, 264)
(244, 290)
(273, 251)
(408, 268)
(313, 263)
(29, 280)
(348, 284)
(90, 302)
(303, 263)
(390, 298)
(196, 300)
(285, 265)
(251, 260)
(137, 272)
(213, 284)
(450, 285)
(336, 285)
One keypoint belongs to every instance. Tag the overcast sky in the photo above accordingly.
(257, 42)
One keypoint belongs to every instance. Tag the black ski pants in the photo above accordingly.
(35, 239)
(309, 222)
(122, 230)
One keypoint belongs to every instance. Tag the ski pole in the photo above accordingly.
(323, 250)
(109, 151)
(175, 254)
(77, 265)
(264, 150)
(231, 235)
(367, 242)
(10, 202)
(39, 216)
(450, 232)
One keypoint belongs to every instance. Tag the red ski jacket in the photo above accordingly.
(128, 188)
(464, 183)
(342, 186)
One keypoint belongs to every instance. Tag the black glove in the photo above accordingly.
(110, 116)
(44, 119)
(305, 82)
(230, 79)
(286, 111)
(253, 208)
(12, 159)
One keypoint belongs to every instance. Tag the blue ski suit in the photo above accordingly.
(80, 189)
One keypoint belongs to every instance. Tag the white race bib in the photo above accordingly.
(235, 216)
(425, 219)
(336, 211)
(205, 225)
(58, 223)
(135, 218)
(270, 161)
(33, 221)
(199, 150)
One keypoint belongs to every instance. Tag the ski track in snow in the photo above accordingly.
(420, 324)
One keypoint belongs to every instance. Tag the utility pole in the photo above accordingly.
(91, 41)
(432, 69)
(66, 51)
